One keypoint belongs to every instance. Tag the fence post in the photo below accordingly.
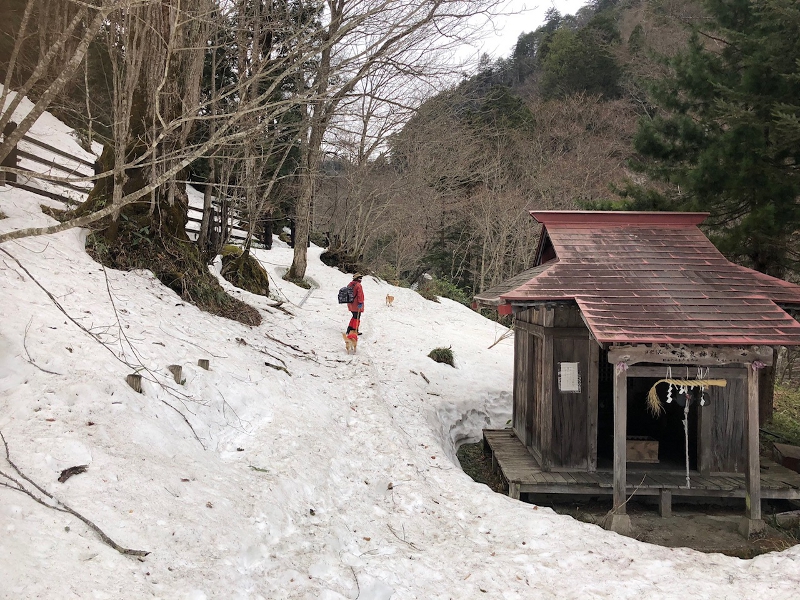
(11, 159)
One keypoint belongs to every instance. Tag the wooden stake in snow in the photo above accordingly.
(203, 363)
(135, 381)
(177, 373)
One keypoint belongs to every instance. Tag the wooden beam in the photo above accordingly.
(752, 522)
(591, 409)
(706, 356)
(617, 520)
(541, 331)
(680, 372)
(546, 441)
(620, 437)
(705, 419)
(665, 503)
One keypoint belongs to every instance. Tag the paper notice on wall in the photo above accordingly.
(569, 379)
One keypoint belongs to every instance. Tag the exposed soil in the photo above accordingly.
(703, 527)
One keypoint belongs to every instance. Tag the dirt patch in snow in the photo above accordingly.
(704, 527)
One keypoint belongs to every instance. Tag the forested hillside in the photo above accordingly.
(641, 105)
(351, 131)
(550, 126)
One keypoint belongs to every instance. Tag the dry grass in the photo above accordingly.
(786, 417)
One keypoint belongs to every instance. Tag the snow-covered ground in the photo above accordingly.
(334, 478)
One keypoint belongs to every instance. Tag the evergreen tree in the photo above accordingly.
(728, 132)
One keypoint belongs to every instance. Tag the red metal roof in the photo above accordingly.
(651, 277)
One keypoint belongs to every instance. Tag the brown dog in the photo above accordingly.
(389, 300)
(350, 341)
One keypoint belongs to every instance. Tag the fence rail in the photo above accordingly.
(58, 151)
(234, 230)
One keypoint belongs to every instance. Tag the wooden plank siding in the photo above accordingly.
(523, 367)
(724, 421)
(569, 413)
(559, 429)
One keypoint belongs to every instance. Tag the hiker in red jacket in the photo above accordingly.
(356, 307)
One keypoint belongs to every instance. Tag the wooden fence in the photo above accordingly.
(25, 158)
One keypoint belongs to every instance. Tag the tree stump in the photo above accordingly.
(177, 372)
(135, 381)
(203, 363)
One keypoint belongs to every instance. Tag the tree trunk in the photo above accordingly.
(302, 227)
(202, 237)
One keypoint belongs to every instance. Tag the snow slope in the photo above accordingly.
(334, 478)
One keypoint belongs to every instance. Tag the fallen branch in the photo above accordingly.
(278, 368)
(402, 539)
(633, 493)
(29, 358)
(96, 338)
(505, 336)
(295, 348)
(58, 505)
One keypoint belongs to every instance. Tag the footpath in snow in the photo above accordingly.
(332, 477)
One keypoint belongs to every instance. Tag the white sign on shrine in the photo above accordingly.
(569, 377)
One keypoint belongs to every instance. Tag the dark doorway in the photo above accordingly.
(666, 429)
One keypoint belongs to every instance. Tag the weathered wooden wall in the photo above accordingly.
(723, 428)
(560, 429)
(523, 369)
(570, 418)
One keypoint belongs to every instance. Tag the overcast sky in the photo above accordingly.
(530, 15)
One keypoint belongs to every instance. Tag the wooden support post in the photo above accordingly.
(135, 381)
(203, 363)
(665, 503)
(546, 403)
(752, 522)
(513, 490)
(619, 521)
(591, 409)
(177, 373)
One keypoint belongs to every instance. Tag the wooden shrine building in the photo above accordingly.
(616, 303)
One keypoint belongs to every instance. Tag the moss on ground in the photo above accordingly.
(442, 355)
(244, 272)
(479, 466)
(176, 263)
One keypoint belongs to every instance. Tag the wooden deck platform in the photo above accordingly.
(524, 475)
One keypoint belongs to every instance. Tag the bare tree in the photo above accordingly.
(82, 23)
(157, 49)
(363, 37)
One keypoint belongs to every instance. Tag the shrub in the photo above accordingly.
(442, 355)
(230, 250)
(493, 315)
(389, 275)
(340, 259)
(318, 239)
(433, 288)
(298, 282)
(245, 274)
